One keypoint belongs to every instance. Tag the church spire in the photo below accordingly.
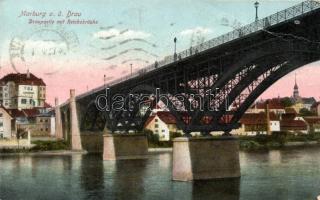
(295, 88)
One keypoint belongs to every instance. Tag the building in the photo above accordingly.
(22, 91)
(275, 105)
(256, 123)
(7, 124)
(301, 102)
(292, 123)
(315, 108)
(294, 126)
(313, 123)
(40, 122)
(162, 123)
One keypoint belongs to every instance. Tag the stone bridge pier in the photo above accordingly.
(205, 158)
(125, 146)
(75, 139)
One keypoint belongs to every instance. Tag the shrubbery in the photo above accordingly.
(50, 145)
(153, 139)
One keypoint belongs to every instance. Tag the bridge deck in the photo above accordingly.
(280, 18)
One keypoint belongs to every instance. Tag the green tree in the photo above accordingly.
(305, 112)
(286, 102)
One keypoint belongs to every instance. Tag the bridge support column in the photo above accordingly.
(75, 131)
(205, 158)
(58, 121)
(120, 147)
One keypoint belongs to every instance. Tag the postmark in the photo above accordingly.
(47, 46)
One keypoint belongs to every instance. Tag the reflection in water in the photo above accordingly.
(228, 189)
(128, 181)
(91, 176)
(286, 174)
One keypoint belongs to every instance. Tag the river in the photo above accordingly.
(277, 174)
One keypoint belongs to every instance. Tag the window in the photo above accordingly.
(1, 124)
(47, 129)
(163, 131)
(1, 114)
(156, 125)
(23, 101)
(40, 120)
(156, 120)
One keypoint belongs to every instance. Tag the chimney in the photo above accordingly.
(268, 118)
(28, 74)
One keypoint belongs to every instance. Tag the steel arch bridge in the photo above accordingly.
(236, 67)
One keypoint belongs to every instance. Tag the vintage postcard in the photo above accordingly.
(160, 99)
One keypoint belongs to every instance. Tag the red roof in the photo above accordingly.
(273, 104)
(16, 113)
(149, 120)
(167, 117)
(164, 116)
(293, 125)
(23, 112)
(46, 105)
(23, 79)
(257, 118)
(312, 120)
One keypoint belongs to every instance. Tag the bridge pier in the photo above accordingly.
(58, 121)
(205, 158)
(125, 146)
(75, 131)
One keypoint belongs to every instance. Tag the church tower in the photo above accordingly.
(295, 89)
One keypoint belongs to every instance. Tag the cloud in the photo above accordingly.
(42, 44)
(197, 30)
(120, 34)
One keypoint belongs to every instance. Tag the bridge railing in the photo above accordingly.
(277, 18)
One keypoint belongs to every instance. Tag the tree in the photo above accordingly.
(305, 112)
(286, 102)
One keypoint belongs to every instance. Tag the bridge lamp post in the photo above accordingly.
(104, 80)
(256, 5)
(175, 48)
(131, 69)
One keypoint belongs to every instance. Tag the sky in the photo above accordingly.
(122, 32)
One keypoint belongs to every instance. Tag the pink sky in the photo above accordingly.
(59, 84)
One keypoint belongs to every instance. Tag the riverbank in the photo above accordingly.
(246, 143)
(45, 153)
(261, 142)
(277, 141)
(37, 146)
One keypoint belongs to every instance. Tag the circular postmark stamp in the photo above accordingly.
(46, 48)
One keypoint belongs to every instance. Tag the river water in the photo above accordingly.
(278, 174)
